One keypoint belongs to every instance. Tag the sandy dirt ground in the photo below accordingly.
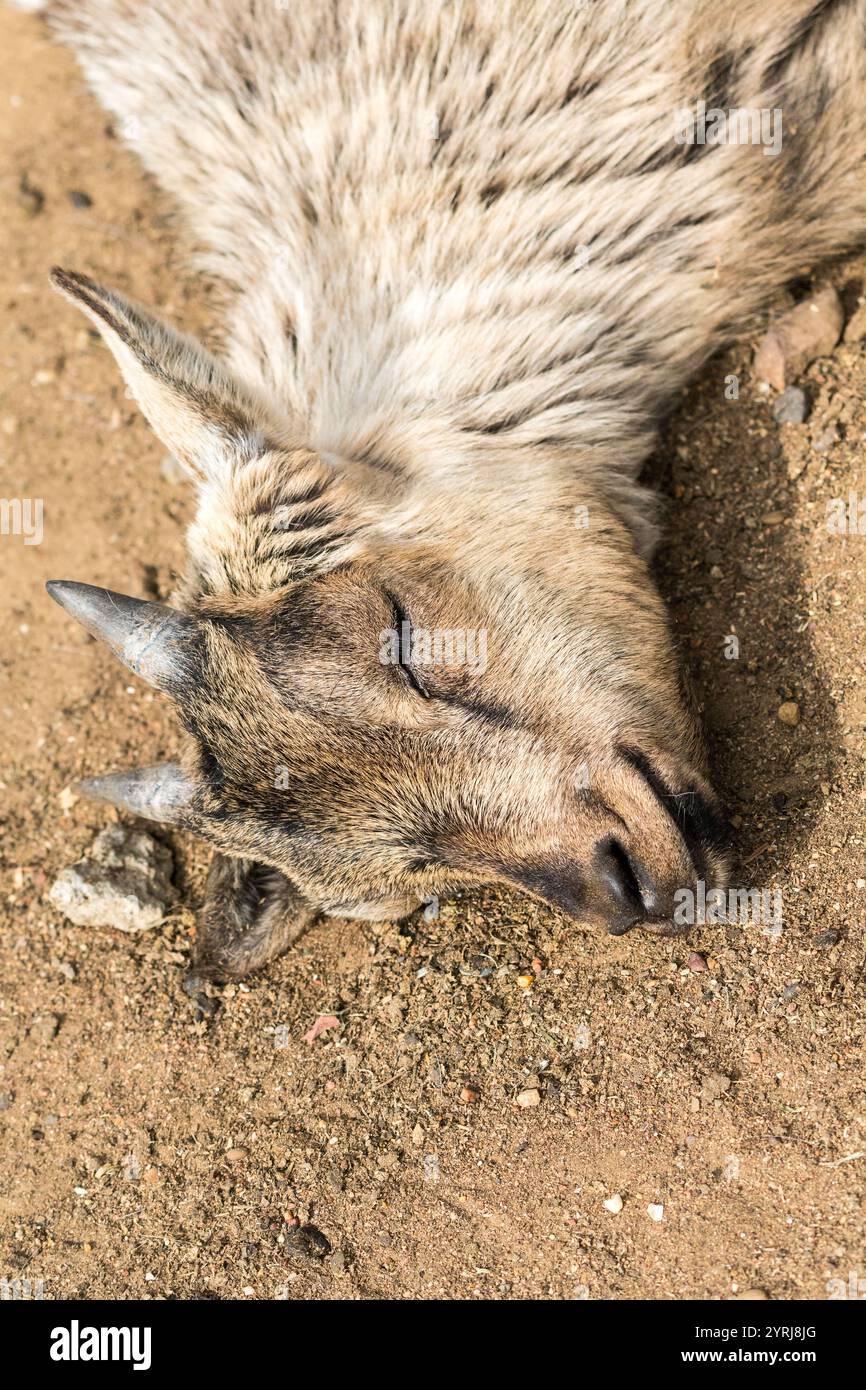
(149, 1148)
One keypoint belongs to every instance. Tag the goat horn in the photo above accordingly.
(149, 638)
(161, 792)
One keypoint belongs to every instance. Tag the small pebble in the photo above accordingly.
(30, 198)
(469, 1095)
(655, 1211)
(788, 713)
(791, 407)
(825, 440)
(613, 1204)
(45, 1027)
(697, 962)
(794, 468)
(529, 1098)
(809, 330)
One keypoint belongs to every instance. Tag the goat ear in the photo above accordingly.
(207, 418)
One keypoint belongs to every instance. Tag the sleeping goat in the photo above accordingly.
(471, 251)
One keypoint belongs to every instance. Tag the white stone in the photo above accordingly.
(124, 881)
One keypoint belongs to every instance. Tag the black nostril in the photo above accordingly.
(616, 873)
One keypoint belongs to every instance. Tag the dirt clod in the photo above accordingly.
(830, 937)
(307, 1243)
(124, 881)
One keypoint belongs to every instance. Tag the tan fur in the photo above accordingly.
(467, 268)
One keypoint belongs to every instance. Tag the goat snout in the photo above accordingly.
(614, 887)
(611, 891)
(633, 896)
(623, 901)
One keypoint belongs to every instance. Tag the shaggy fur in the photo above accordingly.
(468, 267)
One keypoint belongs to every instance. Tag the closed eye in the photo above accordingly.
(403, 627)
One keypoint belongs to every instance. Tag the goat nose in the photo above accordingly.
(622, 901)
